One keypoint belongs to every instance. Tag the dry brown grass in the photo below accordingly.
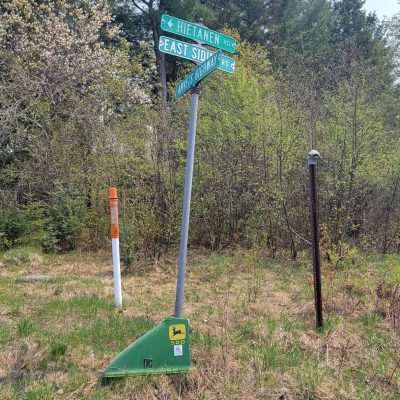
(253, 323)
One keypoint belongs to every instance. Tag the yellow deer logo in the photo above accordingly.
(177, 332)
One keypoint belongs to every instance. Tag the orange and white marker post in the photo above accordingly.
(113, 198)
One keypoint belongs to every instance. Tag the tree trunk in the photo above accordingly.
(153, 15)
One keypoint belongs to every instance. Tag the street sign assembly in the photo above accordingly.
(167, 347)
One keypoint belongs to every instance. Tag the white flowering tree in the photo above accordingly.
(64, 74)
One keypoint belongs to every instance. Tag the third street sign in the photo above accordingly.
(199, 73)
(192, 52)
(198, 33)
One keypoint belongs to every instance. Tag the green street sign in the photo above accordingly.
(199, 73)
(198, 33)
(194, 53)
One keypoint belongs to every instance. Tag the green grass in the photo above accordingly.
(205, 340)
(57, 350)
(84, 306)
(9, 294)
(375, 338)
(370, 320)
(274, 356)
(49, 281)
(310, 375)
(40, 392)
(107, 335)
(26, 327)
(5, 333)
(20, 256)
(69, 337)
(217, 266)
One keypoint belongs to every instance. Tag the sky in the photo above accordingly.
(383, 7)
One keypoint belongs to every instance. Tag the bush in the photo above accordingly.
(56, 226)
(127, 244)
(22, 226)
(67, 215)
(11, 227)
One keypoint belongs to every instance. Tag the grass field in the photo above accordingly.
(252, 319)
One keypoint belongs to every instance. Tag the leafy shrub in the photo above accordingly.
(127, 244)
(67, 215)
(94, 232)
(11, 227)
(22, 226)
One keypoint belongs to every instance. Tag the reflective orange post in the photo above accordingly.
(113, 199)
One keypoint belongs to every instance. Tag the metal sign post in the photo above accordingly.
(180, 283)
(167, 347)
(312, 165)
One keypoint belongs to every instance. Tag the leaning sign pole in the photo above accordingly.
(180, 282)
(166, 349)
(190, 83)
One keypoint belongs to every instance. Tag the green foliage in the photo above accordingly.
(274, 340)
(26, 327)
(11, 228)
(21, 256)
(80, 110)
(57, 351)
(40, 392)
(206, 340)
(5, 333)
(370, 320)
(111, 334)
(22, 226)
(128, 246)
(84, 306)
(274, 357)
(67, 215)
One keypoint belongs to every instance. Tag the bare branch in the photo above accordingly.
(138, 7)
(300, 236)
(135, 3)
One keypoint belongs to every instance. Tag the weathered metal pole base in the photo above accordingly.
(165, 349)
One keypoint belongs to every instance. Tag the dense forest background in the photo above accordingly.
(86, 102)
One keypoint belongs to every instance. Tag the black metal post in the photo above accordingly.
(312, 165)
